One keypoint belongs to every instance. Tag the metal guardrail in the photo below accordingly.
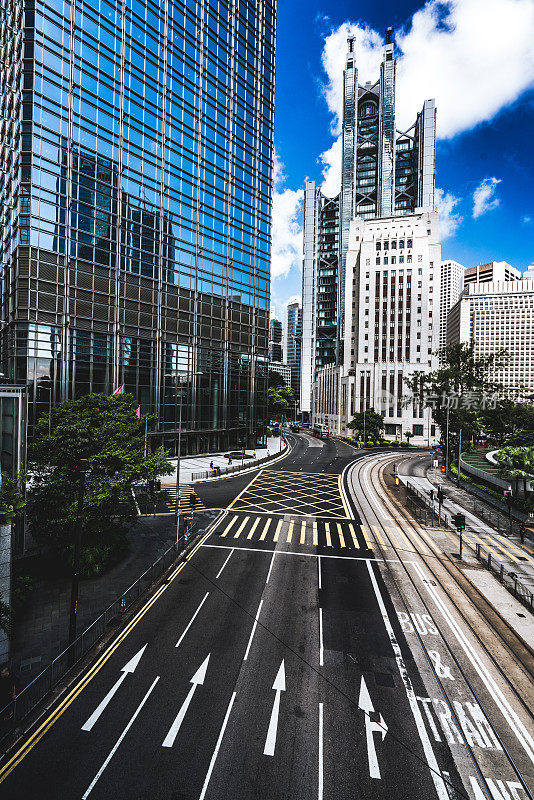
(435, 514)
(507, 577)
(249, 462)
(19, 708)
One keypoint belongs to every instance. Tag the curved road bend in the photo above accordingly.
(272, 665)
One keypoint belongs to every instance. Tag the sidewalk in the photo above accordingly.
(195, 464)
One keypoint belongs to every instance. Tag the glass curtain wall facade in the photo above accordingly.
(136, 199)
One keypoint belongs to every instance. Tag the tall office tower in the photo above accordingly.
(385, 172)
(275, 340)
(494, 316)
(137, 142)
(451, 286)
(492, 272)
(392, 320)
(293, 342)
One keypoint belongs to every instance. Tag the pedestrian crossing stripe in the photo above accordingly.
(255, 525)
(186, 490)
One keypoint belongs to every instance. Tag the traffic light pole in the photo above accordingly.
(461, 542)
(178, 510)
(75, 586)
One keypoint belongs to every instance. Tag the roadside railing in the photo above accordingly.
(19, 708)
(416, 497)
(246, 464)
(507, 577)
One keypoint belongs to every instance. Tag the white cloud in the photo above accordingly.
(484, 199)
(286, 232)
(331, 161)
(449, 222)
(475, 57)
(526, 220)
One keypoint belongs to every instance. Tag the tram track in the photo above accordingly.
(370, 516)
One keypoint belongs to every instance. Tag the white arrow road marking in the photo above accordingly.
(126, 670)
(371, 727)
(279, 686)
(196, 680)
(119, 740)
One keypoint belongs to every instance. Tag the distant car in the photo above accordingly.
(295, 428)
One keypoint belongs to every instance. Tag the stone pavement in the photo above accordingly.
(41, 630)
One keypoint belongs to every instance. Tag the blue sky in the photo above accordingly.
(474, 56)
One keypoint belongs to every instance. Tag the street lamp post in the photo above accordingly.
(447, 445)
(178, 456)
(459, 456)
(75, 586)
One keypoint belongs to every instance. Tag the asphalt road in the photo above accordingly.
(272, 665)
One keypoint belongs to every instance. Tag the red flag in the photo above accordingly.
(138, 412)
(119, 391)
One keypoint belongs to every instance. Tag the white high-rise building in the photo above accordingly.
(391, 320)
(496, 316)
(451, 286)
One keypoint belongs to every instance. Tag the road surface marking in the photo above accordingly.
(340, 534)
(179, 642)
(270, 568)
(290, 531)
(355, 541)
(311, 555)
(237, 534)
(321, 648)
(277, 531)
(197, 680)
(392, 538)
(319, 571)
(508, 712)
(486, 545)
(119, 740)
(315, 537)
(126, 670)
(342, 495)
(279, 686)
(423, 735)
(503, 548)
(327, 534)
(366, 537)
(247, 487)
(371, 727)
(225, 563)
(404, 539)
(253, 631)
(379, 538)
(35, 737)
(255, 525)
(217, 747)
(303, 532)
(321, 775)
(519, 550)
(264, 531)
(226, 530)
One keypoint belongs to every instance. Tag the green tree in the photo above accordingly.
(516, 464)
(280, 401)
(462, 385)
(106, 433)
(509, 422)
(373, 424)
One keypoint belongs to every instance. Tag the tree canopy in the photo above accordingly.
(106, 433)
(372, 422)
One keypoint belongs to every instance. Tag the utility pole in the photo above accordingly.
(178, 469)
(459, 456)
(447, 445)
(75, 586)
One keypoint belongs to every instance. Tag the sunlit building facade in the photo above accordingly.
(136, 203)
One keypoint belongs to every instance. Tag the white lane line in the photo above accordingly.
(217, 747)
(321, 776)
(439, 783)
(270, 567)
(502, 703)
(319, 571)
(253, 631)
(321, 649)
(179, 642)
(119, 740)
(225, 563)
(309, 555)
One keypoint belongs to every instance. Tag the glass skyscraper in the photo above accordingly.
(137, 146)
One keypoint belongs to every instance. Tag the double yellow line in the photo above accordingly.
(30, 743)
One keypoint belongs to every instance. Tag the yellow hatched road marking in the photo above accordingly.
(340, 534)
(225, 532)
(424, 548)
(400, 533)
(315, 537)
(393, 539)
(366, 537)
(277, 531)
(518, 550)
(327, 532)
(290, 531)
(355, 541)
(303, 532)
(255, 525)
(379, 537)
(264, 531)
(486, 545)
(237, 534)
(503, 548)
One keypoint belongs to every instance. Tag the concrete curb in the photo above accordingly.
(282, 454)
